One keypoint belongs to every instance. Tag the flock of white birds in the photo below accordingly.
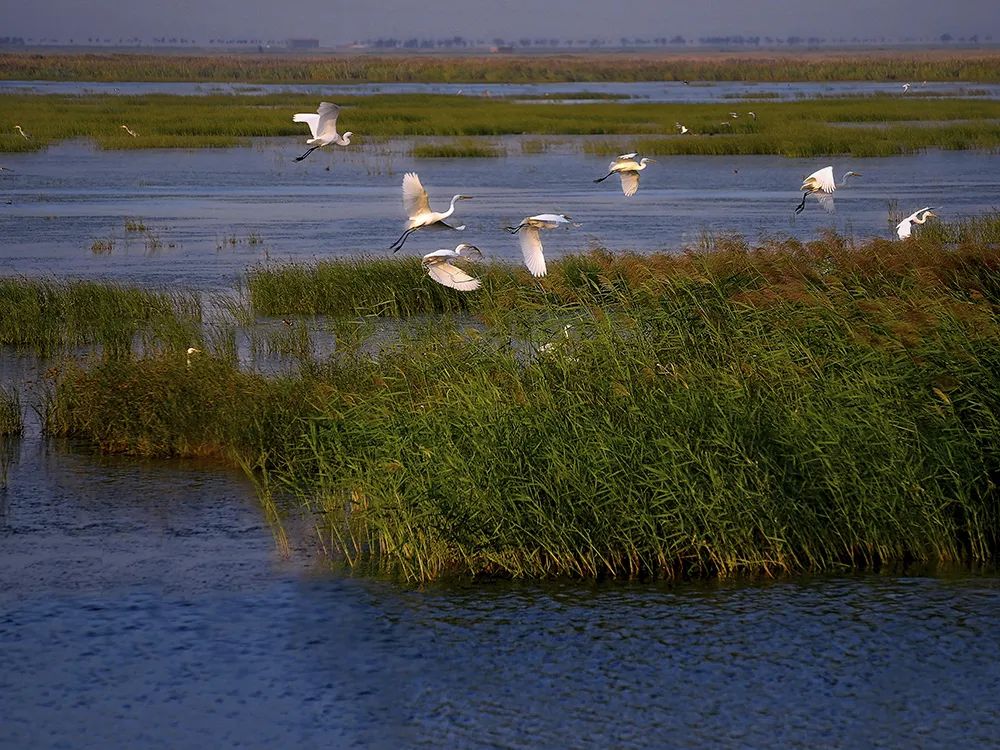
(323, 126)
(416, 204)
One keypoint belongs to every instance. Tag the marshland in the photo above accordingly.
(246, 446)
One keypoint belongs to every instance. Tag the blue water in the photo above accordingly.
(142, 604)
(650, 91)
(203, 206)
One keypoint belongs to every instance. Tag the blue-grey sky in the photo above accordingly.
(340, 21)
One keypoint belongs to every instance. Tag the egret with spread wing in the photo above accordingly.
(418, 209)
(821, 184)
(439, 268)
(905, 227)
(628, 169)
(323, 125)
(531, 243)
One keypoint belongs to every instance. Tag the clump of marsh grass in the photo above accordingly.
(737, 410)
(49, 315)
(11, 414)
(466, 149)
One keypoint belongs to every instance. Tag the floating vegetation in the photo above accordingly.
(734, 411)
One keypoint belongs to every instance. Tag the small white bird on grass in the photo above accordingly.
(129, 130)
(821, 184)
(23, 134)
(628, 169)
(323, 125)
(439, 268)
(531, 243)
(418, 209)
(905, 227)
(191, 350)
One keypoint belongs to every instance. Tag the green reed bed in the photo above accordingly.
(863, 65)
(734, 411)
(462, 150)
(49, 316)
(882, 124)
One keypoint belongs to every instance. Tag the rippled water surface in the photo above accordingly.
(143, 605)
(207, 214)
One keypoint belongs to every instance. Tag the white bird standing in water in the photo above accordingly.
(323, 125)
(443, 272)
(531, 243)
(628, 169)
(129, 130)
(905, 227)
(418, 209)
(23, 134)
(821, 184)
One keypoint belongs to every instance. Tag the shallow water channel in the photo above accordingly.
(143, 604)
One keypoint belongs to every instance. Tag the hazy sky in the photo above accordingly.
(338, 21)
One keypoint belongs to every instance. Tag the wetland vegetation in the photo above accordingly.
(881, 126)
(856, 65)
(730, 410)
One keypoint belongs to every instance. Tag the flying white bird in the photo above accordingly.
(531, 244)
(443, 272)
(23, 134)
(821, 184)
(682, 129)
(733, 115)
(418, 209)
(905, 227)
(323, 125)
(753, 115)
(130, 131)
(906, 87)
(628, 169)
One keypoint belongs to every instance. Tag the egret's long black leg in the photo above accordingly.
(605, 177)
(402, 238)
(514, 230)
(300, 158)
(802, 205)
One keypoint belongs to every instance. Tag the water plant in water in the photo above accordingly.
(739, 410)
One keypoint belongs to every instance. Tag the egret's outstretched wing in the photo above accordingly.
(826, 201)
(452, 276)
(414, 196)
(630, 182)
(327, 127)
(310, 119)
(627, 157)
(820, 180)
(531, 249)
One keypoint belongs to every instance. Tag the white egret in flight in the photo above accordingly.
(23, 134)
(323, 125)
(439, 268)
(753, 115)
(905, 227)
(129, 130)
(733, 115)
(531, 243)
(906, 87)
(628, 169)
(418, 209)
(821, 184)
(682, 129)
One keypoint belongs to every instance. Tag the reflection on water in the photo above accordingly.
(210, 213)
(142, 605)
